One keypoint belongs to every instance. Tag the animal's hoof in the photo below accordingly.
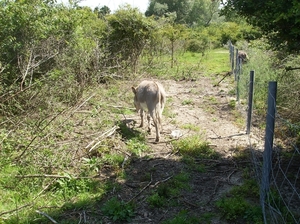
(157, 140)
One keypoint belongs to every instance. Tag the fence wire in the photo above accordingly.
(280, 180)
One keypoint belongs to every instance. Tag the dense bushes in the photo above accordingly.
(68, 48)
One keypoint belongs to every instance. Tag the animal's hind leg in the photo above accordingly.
(149, 122)
(155, 121)
(142, 118)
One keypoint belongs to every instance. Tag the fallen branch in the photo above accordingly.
(16, 209)
(47, 216)
(144, 188)
(51, 176)
(84, 102)
(228, 178)
(228, 73)
(105, 134)
(289, 68)
(162, 181)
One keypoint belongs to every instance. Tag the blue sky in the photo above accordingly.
(114, 4)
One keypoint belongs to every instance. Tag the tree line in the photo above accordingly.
(43, 42)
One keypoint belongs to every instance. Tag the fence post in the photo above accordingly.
(267, 154)
(237, 75)
(250, 101)
(236, 63)
(232, 57)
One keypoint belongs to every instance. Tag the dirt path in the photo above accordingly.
(201, 104)
(195, 104)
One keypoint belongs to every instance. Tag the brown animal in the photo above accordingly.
(243, 56)
(150, 96)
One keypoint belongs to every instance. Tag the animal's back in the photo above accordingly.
(147, 94)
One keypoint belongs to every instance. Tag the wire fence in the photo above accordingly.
(277, 165)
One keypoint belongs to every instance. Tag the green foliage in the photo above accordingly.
(187, 102)
(128, 36)
(179, 8)
(261, 61)
(156, 201)
(182, 218)
(194, 45)
(277, 20)
(194, 146)
(287, 96)
(136, 147)
(118, 210)
(198, 12)
(173, 187)
(242, 204)
(69, 186)
(238, 208)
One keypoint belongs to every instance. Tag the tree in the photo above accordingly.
(279, 20)
(103, 11)
(203, 12)
(128, 34)
(162, 7)
(27, 40)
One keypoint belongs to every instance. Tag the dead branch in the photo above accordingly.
(162, 181)
(47, 216)
(16, 209)
(32, 140)
(83, 102)
(289, 68)
(226, 74)
(228, 178)
(144, 188)
(51, 176)
(105, 134)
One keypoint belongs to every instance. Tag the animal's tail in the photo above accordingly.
(158, 107)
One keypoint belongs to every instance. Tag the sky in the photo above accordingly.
(114, 4)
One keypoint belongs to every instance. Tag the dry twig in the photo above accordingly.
(47, 216)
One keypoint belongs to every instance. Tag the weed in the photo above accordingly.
(113, 159)
(174, 186)
(206, 217)
(242, 204)
(232, 104)
(194, 146)
(92, 163)
(213, 100)
(187, 102)
(182, 218)
(136, 147)
(193, 165)
(191, 127)
(118, 210)
(156, 201)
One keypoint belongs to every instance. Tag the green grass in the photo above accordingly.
(194, 146)
(242, 204)
(190, 66)
(168, 190)
(118, 210)
(182, 218)
(191, 127)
